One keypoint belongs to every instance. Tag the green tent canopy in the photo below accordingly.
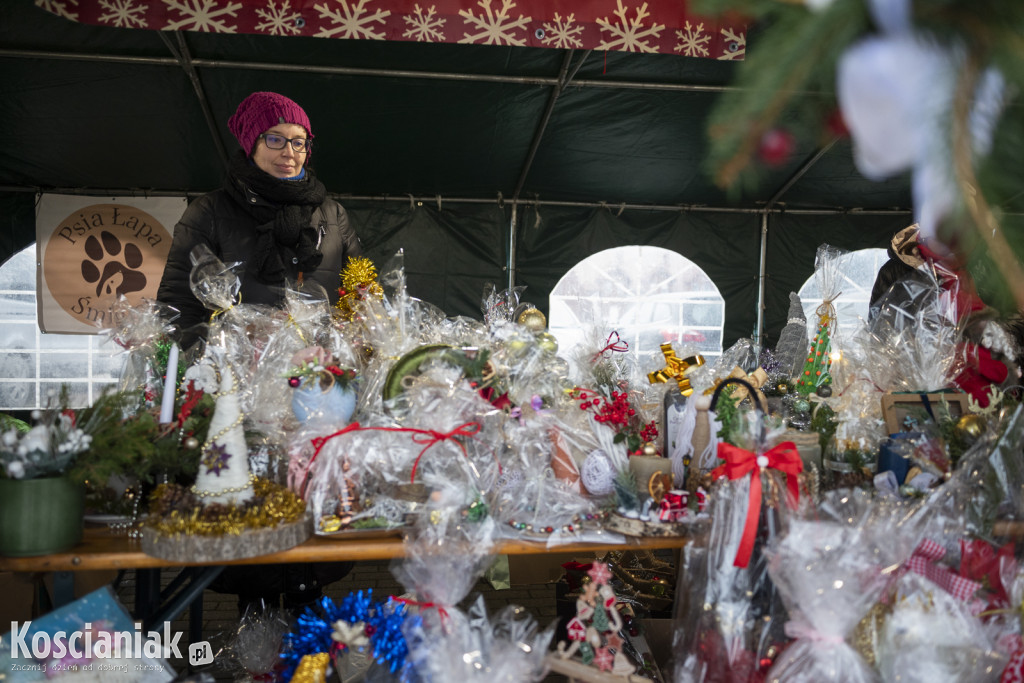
(501, 164)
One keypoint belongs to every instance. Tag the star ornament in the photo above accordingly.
(600, 573)
(603, 659)
(215, 459)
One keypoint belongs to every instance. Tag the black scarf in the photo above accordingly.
(284, 224)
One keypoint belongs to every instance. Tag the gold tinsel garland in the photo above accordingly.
(174, 511)
(358, 281)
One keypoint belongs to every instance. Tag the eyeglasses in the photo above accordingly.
(274, 141)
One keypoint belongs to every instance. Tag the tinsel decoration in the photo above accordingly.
(174, 510)
(162, 351)
(317, 631)
(358, 282)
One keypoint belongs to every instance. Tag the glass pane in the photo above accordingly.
(19, 272)
(18, 336)
(107, 366)
(18, 307)
(17, 365)
(61, 365)
(99, 387)
(648, 295)
(78, 342)
(17, 395)
(78, 393)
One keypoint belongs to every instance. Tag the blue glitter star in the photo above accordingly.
(216, 459)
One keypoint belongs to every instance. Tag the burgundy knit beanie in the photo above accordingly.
(261, 111)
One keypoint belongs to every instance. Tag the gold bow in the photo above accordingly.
(676, 368)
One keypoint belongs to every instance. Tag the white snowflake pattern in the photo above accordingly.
(279, 21)
(123, 13)
(59, 7)
(494, 28)
(735, 45)
(202, 15)
(630, 36)
(425, 27)
(351, 22)
(693, 40)
(563, 33)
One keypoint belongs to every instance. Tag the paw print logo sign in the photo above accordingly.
(92, 253)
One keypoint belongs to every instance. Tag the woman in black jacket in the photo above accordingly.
(273, 215)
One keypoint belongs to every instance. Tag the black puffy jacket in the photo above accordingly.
(221, 220)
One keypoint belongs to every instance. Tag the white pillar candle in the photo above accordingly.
(170, 384)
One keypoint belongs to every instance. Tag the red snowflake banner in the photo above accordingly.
(657, 26)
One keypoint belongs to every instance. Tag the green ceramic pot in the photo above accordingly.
(40, 516)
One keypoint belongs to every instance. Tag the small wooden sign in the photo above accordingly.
(908, 412)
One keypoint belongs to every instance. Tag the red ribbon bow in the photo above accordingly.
(428, 437)
(739, 463)
(926, 562)
(613, 343)
(441, 611)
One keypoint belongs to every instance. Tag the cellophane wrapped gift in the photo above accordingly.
(305, 327)
(254, 650)
(829, 571)
(914, 337)
(446, 553)
(828, 274)
(855, 395)
(441, 430)
(499, 305)
(508, 647)
(239, 330)
(388, 327)
(934, 635)
(143, 330)
(732, 624)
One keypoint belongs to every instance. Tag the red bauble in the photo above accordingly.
(835, 125)
(776, 147)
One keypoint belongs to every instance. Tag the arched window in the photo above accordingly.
(34, 365)
(858, 276)
(648, 295)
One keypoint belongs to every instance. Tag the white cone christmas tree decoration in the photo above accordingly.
(224, 475)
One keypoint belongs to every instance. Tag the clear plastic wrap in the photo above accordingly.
(507, 648)
(446, 553)
(448, 435)
(389, 327)
(499, 305)
(143, 330)
(255, 647)
(734, 619)
(828, 274)
(933, 635)
(829, 572)
(915, 336)
(305, 333)
(239, 329)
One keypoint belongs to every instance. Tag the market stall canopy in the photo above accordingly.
(498, 162)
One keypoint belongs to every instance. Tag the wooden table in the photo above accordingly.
(101, 548)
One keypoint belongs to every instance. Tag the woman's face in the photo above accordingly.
(280, 163)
